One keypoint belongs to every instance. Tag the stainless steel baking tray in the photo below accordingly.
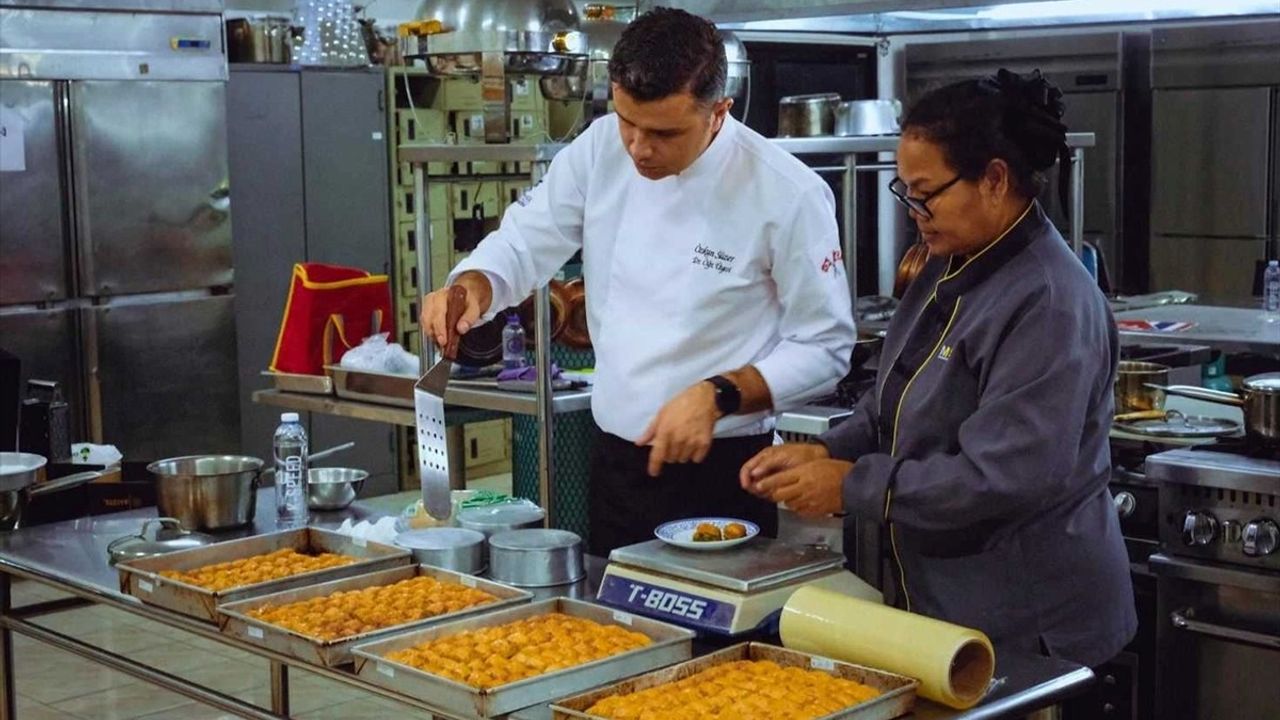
(671, 644)
(142, 578)
(294, 382)
(236, 621)
(897, 698)
(375, 387)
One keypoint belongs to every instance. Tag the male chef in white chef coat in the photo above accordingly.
(715, 286)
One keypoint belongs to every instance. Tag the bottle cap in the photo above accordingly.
(1273, 263)
(513, 319)
(289, 417)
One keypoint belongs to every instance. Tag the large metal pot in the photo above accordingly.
(807, 115)
(1135, 386)
(207, 492)
(1259, 398)
(22, 477)
(262, 39)
(867, 117)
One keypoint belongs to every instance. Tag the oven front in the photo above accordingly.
(1218, 640)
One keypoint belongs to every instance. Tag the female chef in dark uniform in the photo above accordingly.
(984, 447)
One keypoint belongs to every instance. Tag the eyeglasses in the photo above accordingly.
(919, 205)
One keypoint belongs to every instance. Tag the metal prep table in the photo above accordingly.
(71, 556)
(1232, 330)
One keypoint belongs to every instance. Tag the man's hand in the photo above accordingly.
(775, 459)
(683, 428)
(432, 318)
(814, 489)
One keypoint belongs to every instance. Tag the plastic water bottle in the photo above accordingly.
(1271, 291)
(291, 472)
(513, 343)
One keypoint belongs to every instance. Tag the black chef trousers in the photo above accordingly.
(625, 504)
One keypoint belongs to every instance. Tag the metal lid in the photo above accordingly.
(535, 539)
(1178, 425)
(157, 537)
(500, 516)
(441, 538)
(1265, 383)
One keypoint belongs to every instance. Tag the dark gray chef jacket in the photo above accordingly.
(984, 448)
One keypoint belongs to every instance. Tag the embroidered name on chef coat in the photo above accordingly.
(712, 259)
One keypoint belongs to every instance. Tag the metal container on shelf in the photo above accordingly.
(267, 39)
(807, 115)
(496, 38)
(857, 118)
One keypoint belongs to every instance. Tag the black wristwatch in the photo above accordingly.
(728, 396)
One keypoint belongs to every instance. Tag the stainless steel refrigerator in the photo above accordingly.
(115, 242)
(1215, 187)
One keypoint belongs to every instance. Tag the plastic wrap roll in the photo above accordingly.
(953, 664)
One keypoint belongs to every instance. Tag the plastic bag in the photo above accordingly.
(375, 354)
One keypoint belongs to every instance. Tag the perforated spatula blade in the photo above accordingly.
(428, 406)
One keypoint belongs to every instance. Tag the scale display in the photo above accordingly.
(682, 608)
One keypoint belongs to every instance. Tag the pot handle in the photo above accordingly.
(64, 483)
(1199, 393)
(317, 456)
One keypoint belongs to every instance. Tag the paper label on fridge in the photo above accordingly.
(13, 151)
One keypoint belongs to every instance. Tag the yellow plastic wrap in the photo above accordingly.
(953, 664)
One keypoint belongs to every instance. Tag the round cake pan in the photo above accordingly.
(536, 557)
(456, 549)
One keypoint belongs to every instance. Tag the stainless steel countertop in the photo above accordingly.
(1226, 328)
(75, 552)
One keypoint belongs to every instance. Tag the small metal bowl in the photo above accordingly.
(333, 488)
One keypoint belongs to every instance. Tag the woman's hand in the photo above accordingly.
(813, 489)
(776, 459)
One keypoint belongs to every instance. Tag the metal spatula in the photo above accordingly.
(428, 406)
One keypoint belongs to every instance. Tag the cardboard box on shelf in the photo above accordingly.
(466, 94)
(437, 202)
(487, 442)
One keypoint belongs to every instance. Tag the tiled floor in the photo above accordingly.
(55, 685)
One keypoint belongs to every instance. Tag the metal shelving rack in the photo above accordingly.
(544, 403)
(849, 148)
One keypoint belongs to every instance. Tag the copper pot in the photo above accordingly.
(1133, 386)
(576, 334)
(559, 312)
(909, 269)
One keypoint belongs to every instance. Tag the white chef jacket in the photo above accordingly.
(735, 261)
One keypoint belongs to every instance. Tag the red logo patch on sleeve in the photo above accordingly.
(832, 262)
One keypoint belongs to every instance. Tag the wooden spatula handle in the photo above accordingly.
(457, 305)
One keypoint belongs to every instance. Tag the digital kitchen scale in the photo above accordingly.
(729, 592)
